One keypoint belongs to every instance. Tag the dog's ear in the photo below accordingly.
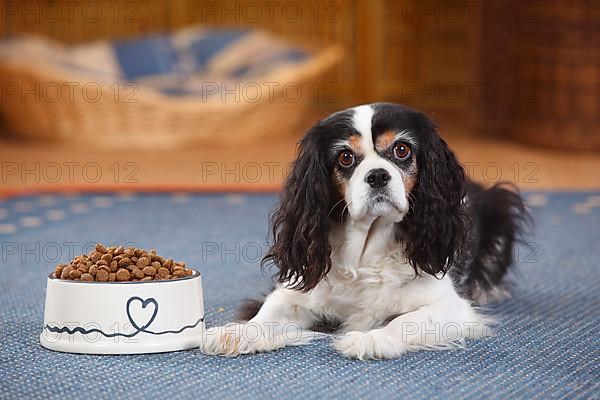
(300, 225)
(435, 228)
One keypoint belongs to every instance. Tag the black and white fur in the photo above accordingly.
(395, 250)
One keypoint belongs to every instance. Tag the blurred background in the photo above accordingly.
(214, 95)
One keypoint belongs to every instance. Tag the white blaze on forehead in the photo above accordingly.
(359, 194)
(362, 122)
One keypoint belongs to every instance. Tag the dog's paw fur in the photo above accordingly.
(371, 345)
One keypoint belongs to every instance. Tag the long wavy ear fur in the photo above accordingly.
(300, 225)
(435, 229)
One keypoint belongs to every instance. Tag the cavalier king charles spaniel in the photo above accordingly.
(381, 238)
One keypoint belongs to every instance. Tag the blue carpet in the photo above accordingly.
(547, 346)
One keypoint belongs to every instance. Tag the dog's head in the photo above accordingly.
(373, 161)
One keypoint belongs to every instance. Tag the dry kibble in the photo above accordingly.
(124, 262)
(66, 272)
(104, 268)
(95, 257)
(138, 273)
(87, 277)
(142, 262)
(163, 272)
(119, 264)
(114, 265)
(102, 275)
(75, 274)
(58, 270)
(179, 273)
(123, 275)
(156, 265)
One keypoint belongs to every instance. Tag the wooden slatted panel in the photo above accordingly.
(548, 62)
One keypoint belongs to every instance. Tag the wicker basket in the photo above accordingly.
(150, 118)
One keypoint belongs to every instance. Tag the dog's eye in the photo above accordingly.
(401, 151)
(346, 158)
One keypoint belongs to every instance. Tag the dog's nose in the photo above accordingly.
(378, 178)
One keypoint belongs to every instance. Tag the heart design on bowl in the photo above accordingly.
(141, 314)
(143, 304)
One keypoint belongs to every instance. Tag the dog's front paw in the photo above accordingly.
(235, 339)
(373, 344)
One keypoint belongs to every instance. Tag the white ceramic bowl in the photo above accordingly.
(123, 317)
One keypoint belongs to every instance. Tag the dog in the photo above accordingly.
(380, 236)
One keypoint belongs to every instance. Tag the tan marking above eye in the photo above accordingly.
(355, 141)
(385, 140)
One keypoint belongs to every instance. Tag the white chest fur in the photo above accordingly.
(366, 296)
(371, 280)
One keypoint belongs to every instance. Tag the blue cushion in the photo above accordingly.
(146, 57)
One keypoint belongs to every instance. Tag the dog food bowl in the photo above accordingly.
(123, 317)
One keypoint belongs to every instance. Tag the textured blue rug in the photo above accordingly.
(548, 345)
